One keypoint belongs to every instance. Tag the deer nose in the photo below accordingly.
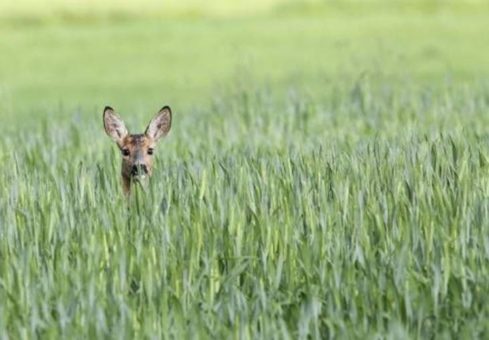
(139, 169)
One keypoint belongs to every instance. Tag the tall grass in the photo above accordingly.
(362, 214)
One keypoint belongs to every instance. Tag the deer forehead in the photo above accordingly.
(137, 141)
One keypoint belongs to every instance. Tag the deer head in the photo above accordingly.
(136, 149)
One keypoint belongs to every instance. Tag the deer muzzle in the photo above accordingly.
(139, 171)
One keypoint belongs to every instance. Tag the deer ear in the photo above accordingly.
(114, 126)
(160, 124)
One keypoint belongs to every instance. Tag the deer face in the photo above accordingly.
(136, 149)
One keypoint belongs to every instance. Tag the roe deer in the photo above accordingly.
(137, 149)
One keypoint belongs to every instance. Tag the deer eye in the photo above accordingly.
(150, 151)
(125, 152)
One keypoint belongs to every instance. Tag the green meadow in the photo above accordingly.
(326, 174)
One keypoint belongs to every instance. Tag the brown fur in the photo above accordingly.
(136, 149)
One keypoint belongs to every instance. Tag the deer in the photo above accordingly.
(137, 149)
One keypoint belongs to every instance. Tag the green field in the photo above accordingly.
(326, 175)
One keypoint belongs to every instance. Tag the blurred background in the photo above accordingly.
(61, 56)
